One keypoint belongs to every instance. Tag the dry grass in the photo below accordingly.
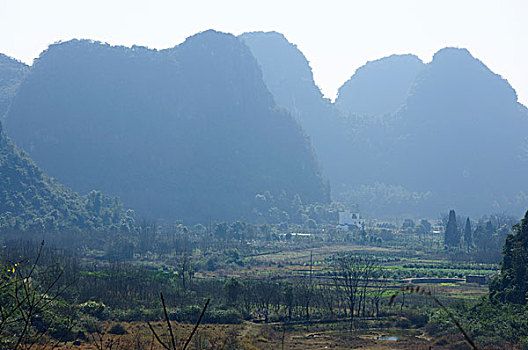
(250, 336)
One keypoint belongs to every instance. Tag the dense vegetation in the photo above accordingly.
(31, 201)
(512, 284)
(497, 320)
(185, 133)
(330, 279)
(12, 72)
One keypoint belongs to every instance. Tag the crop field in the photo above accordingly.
(398, 266)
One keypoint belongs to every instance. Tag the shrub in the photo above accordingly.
(417, 319)
(404, 323)
(117, 329)
(61, 331)
(434, 328)
(95, 309)
(138, 313)
(229, 316)
(188, 314)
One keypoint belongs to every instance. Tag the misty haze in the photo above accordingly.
(209, 195)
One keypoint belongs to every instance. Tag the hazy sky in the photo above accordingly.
(336, 36)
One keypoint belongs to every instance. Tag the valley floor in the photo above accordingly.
(254, 336)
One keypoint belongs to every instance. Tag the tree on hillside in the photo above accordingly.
(452, 234)
(407, 224)
(427, 225)
(468, 235)
(233, 289)
(486, 238)
(512, 284)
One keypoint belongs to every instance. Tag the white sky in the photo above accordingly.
(336, 36)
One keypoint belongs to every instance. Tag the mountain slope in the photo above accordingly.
(30, 200)
(458, 141)
(12, 72)
(379, 87)
(412, 138)
(190, 132)
(289, 77)
(462, 135)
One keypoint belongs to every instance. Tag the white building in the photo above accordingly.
(438, 229)
(346, 219)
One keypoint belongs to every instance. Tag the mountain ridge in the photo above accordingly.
(12, 72)
(188, 132)
(289, 77)
(392, 75)
(453, 102)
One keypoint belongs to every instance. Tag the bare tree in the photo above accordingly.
(379, 288)
(185, 270)
(367, 271)
(328, 298)
(347, 276)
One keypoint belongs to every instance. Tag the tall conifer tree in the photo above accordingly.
(452, 234)
(468, 235)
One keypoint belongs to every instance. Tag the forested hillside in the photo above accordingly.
(11, 74)
(31, 201)
(190, 132)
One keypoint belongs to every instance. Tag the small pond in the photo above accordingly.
(386, 337)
